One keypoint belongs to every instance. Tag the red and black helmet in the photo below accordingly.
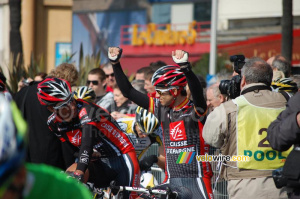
(168, 76)
(53, 90)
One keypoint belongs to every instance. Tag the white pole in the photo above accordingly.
(213, 37)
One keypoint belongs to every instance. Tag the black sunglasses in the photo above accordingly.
(112, 74)
(95, 82)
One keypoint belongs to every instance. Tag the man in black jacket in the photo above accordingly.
(44, 147)
(285, 132)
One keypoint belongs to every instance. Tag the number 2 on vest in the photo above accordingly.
(262, 142)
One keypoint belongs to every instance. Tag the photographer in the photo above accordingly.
(231, 88)
(282, 134)
(238, 127)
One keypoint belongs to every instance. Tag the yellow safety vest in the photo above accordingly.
(252, 123)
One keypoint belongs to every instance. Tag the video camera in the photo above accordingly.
(232, 87)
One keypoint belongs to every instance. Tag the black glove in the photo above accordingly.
(75, 175)
(114, 189)
(147, 162)
(114, 59)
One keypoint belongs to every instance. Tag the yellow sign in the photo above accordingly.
(157, 37)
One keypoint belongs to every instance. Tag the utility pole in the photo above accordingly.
(213, 37)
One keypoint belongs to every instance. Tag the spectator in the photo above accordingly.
(97, 81)
(277, 57)
(67, 72)
(214, 97)
(40, 76)
(110, 77)
(281, 81)
(296, 79)
(123, 104)
(148, 85)
(26, 180)
(140, 73)
(237, 127)
(156, 65)
(139, 85)
(44, 147)
(24, 82)
(283, 66)
(283, 133)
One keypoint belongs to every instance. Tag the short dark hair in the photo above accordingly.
(149, 74)
(42, 74)
(99, 72)
(156, 65)
(143, 69)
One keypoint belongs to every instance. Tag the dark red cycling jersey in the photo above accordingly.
(182, 132)
(93, 128)
(182, 126)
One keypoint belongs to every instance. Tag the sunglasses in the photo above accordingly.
(94, 82)
(162, 91)
(64, 104)
(112, 75)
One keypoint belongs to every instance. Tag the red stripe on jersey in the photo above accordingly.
(115, 135)
(204, 148)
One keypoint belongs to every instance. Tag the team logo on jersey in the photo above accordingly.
(177, 131)
(75, 137)
(82, 113)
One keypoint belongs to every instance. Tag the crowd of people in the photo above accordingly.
(99, 132)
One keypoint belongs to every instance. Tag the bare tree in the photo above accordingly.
(15, 41)
(287, 29)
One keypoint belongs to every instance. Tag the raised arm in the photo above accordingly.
(180, 57)
(114, 55)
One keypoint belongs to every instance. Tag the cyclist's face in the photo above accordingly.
(66, 112)
(165, 97)
(140, 133)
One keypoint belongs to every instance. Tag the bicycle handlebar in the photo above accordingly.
(116, 189)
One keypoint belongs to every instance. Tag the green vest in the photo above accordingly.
(47, 182)
(251, 132)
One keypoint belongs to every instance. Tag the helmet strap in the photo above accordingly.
(174, 96)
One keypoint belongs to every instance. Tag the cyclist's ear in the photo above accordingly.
(175, 91)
